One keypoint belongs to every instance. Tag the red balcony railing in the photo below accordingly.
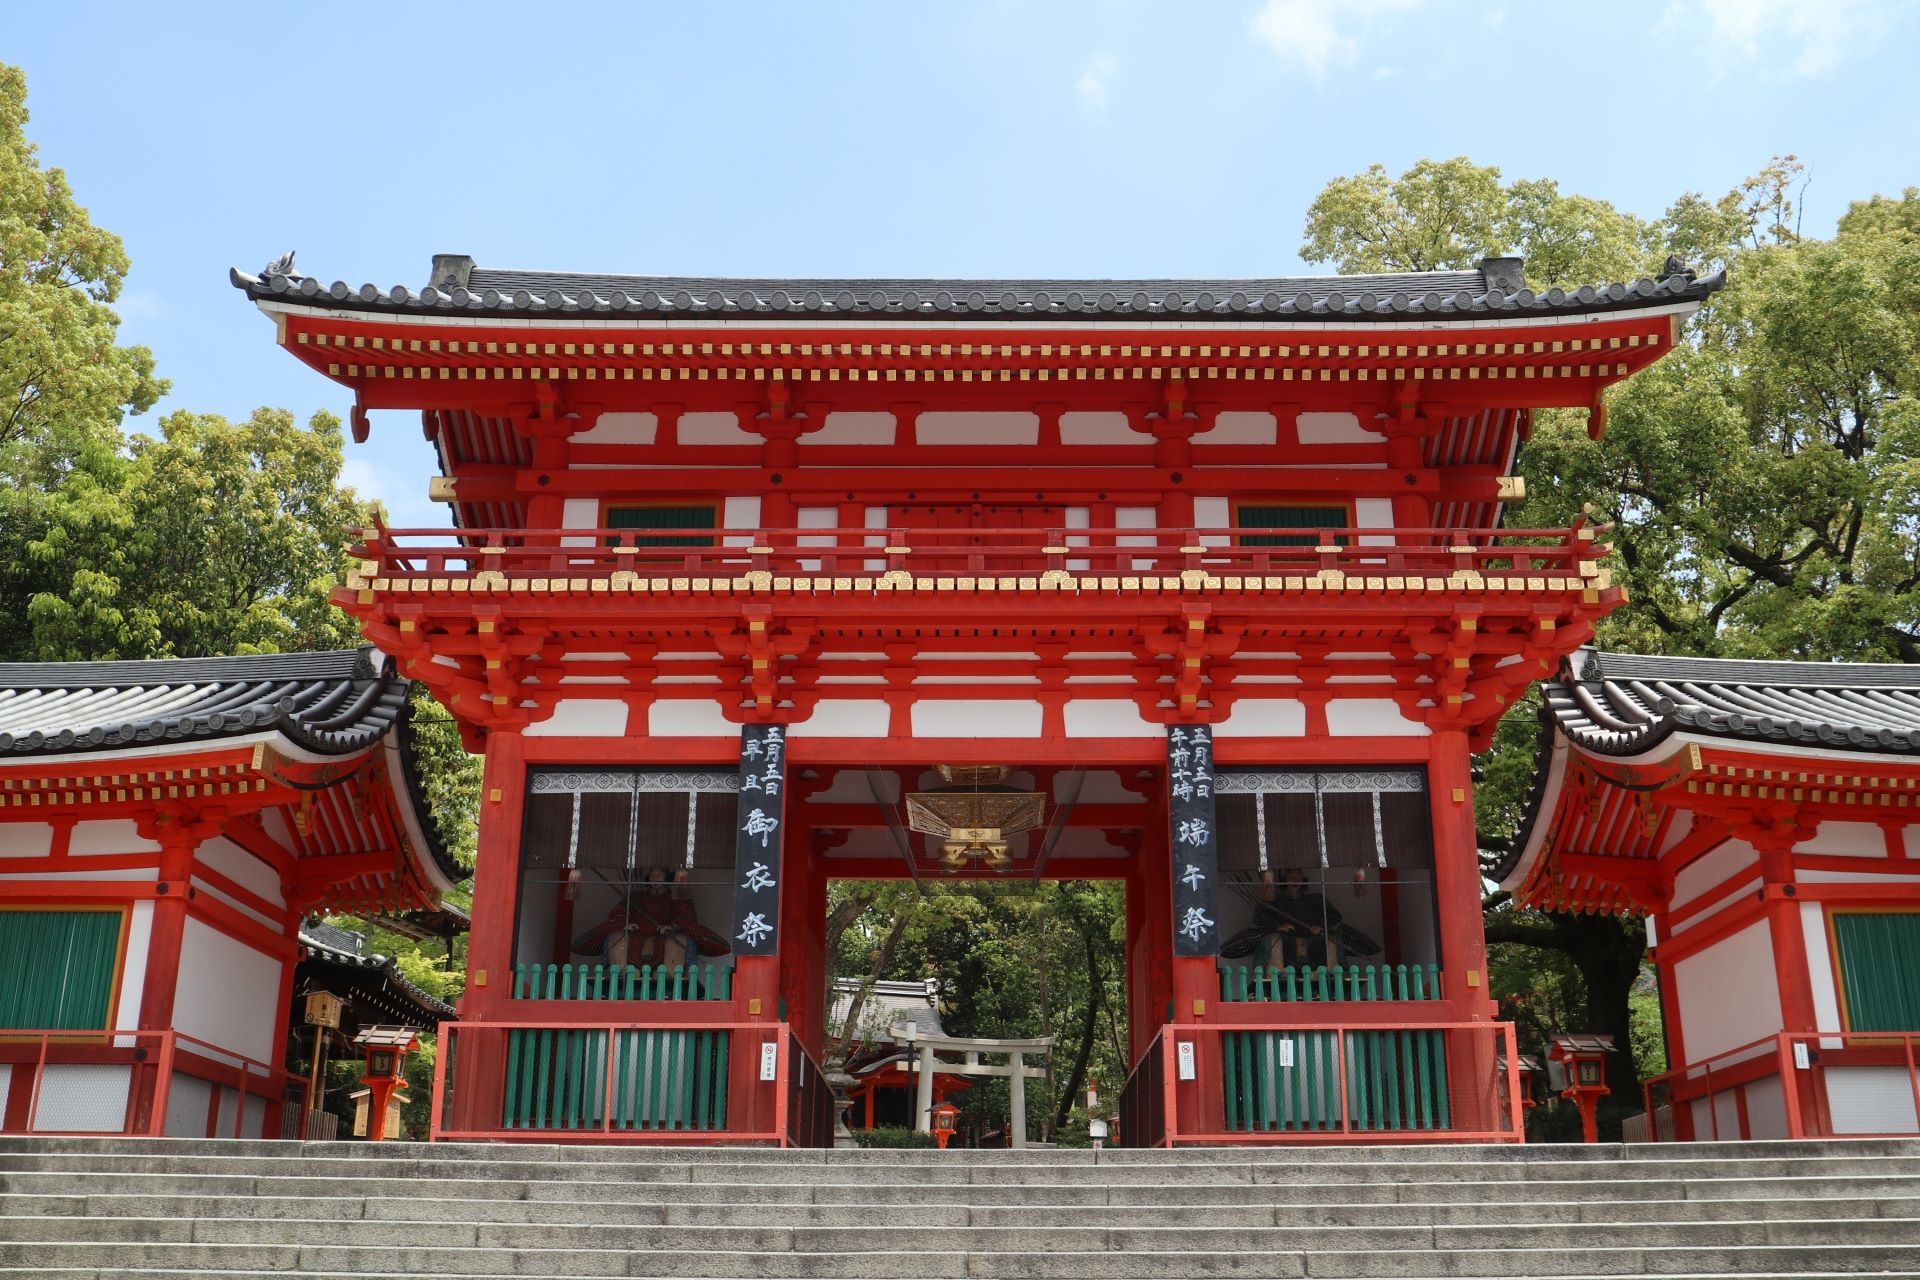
(658, 1080)
(139, 1083)
(527, 554)
(1275, 1082)
(1814, 1085)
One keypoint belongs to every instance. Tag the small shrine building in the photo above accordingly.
(164, 828)
(1763, 817)
(1200, 586)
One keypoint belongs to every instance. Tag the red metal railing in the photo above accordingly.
(1281, 1082)
(599, 553)
(661, 1080)
(809, 1098)
(138, 1083)
(1792, 1085)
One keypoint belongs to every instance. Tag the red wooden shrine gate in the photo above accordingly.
(935, 532)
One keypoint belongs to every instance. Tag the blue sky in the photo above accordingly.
(1001, 138)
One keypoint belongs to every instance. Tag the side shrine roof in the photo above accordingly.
(1496, 288)
(333, 703)
(372, 981)
(1619, 705)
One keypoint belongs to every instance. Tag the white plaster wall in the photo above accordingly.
(133, 969)
(688, 718)
(582, 718)
(228, 993)
(1766, 1110)
(1107, 718)
(1728, 994)
(117, 873)
(844, 718)
(1098, 428)
(202, 885)
(241, 867)
(852, 428)
(580, 513)
(1712, 868)
(1334, 428)
(1264, 718)
(620, 428)
(1371, 718)
(984, 718)
(741, 513)
(1239, 427)
(26, 840)
(1870, 1100)
(83, 1098)
(714, 428)
(1820, 973)
(118, 835)
(1847, 840)
(977, 428)
(815, 518)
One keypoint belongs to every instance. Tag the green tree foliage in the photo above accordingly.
(64, 381)
(1015, 959)
(1760, 480)
(216, 537)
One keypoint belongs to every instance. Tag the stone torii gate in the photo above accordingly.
(1015, 1069)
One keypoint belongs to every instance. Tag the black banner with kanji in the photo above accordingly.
(756, 842)
(1196, 846)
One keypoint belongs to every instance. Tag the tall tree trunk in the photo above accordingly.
(882, 958)
(1063, 1105)
(1607, 952)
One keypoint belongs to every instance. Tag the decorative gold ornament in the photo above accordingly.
(974, 817)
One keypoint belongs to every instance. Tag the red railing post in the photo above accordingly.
(780, 1076)
(39, 1075)
(1169, 1087)
(435, 1110)
(1516, 1108)
(1789, 1087)
(1913, 1078)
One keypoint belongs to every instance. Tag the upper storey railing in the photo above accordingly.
(516, 559)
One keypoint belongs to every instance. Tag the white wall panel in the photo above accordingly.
(118, 835)
(1107, 718)
(852, 428)
(1264, 718)
(620, 428)
(1335, 428)
(978, 428)
(1712, 868)
(83, 1098)
(1239, 427)
(688, 718)
(984, 718)
(1371, 718)
(583, 718)
(1098, 428)
(714, 428)
(1847, 840)
(844, 718)
(228, 993)
(26, 839)
(236, 864)
(133, 966)
(1728, 994)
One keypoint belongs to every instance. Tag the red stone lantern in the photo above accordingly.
(1583, 1060)
(944, 1117)
(378, 1099)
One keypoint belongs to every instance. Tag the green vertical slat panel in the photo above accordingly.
(1442, 1103)
(1357, 1083)
(1879, 969)
(1426, 1081)
(1230, 1081)
(543, 1043)
(702, 1067)
(1390, 1072)
(59, 967)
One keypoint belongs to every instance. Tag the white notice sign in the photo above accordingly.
(769, 1061)
(1183, 1053)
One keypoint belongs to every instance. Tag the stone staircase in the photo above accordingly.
(78, 1207)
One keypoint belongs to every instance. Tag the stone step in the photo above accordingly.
(903, 1241)
(972, 1195)
(1288, 1155)
(1229, 1171)
(349, 1208)
(959, 1265)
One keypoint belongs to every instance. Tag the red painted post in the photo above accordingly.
(1789, 1087)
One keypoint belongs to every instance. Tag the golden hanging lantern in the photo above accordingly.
(974, 816)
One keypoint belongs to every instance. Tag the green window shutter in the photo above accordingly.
(664, 518)
(1879, 969)
(57, 968)
(1283, 517)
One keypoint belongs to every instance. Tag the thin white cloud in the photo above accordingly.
(1096, 83)
(1319, 35)
(1796, 37)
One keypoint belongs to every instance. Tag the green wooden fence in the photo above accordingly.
(1341, 982)
(558, 1077)
(1289, 1081)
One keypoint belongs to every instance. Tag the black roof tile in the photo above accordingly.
(333, 703)
(1494, 289)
